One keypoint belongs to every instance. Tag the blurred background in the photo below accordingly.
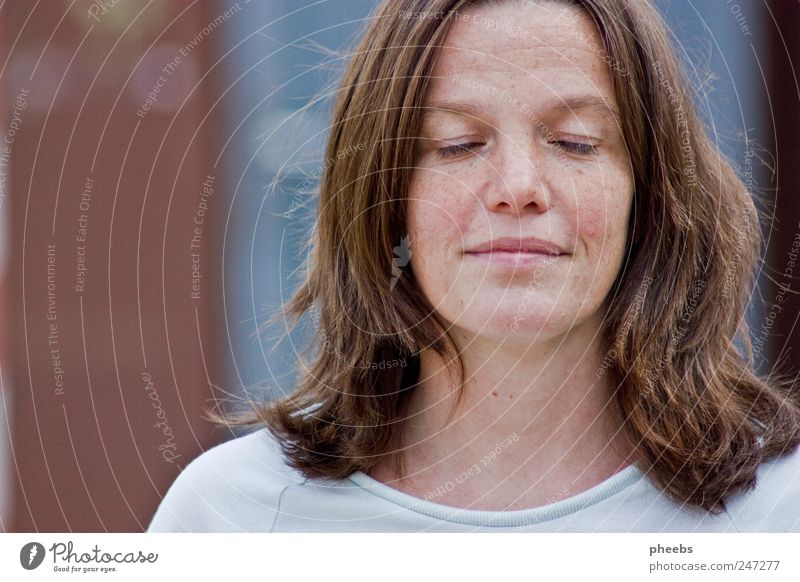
(154, 179)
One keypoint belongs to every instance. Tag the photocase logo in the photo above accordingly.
(31, 555)
(403, 255)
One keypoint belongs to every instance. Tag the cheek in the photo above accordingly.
(594, 220)
(602, 233)
(438, 214)
(603, 216)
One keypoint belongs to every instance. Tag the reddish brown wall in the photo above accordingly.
(88, 457)
(784, 80)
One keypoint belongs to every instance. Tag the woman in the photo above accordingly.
(552, 344)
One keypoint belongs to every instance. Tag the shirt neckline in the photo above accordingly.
(619, 481)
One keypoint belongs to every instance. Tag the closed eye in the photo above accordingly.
(457, 149)
(573, 147)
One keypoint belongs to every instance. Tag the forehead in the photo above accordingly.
(527, 47)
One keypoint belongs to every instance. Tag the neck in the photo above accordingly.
(535, 421)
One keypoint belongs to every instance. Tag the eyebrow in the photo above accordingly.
(566, 104)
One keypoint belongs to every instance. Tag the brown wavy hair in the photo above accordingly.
(699, 416)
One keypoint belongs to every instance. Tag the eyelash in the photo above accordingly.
(453, 150)
(583, 149)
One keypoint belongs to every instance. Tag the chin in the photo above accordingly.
(514, 322)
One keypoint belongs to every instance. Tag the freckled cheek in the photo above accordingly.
(593, 221)
(599, 250)
(438, 216)
(602, 219)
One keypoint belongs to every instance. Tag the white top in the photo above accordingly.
(245, 485)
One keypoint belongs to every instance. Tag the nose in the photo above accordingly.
(519, 180)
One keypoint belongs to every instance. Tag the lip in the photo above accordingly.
(517, 251)
(518, 245)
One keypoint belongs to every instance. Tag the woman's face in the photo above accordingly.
(520, 232)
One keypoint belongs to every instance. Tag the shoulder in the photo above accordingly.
(234, 486)
(774, 504)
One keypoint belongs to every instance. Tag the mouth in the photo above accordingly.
(517, 252)
(516, 258)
